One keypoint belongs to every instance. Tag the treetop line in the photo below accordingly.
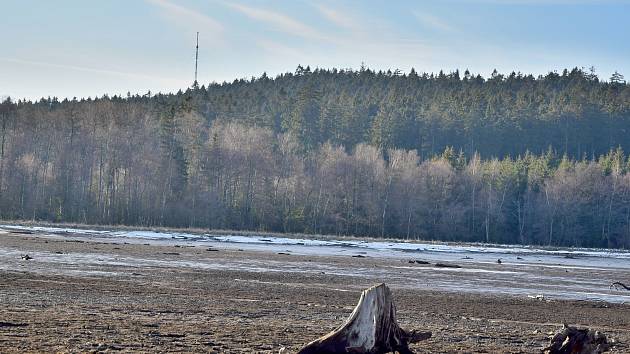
(339, 152)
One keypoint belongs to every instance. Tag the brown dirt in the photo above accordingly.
(179, 309)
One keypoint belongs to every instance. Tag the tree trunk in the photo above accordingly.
(371, 328)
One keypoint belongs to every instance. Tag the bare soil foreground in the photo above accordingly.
(160, 303)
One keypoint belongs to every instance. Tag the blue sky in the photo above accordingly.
(83, 48)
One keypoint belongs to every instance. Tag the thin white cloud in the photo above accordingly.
(186, 17)
(93, 70)
(280, 21)
(433, 22)
(337, 17)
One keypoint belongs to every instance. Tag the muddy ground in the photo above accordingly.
(48, 306)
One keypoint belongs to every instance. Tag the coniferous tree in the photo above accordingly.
(447, 156)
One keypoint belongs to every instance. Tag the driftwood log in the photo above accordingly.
(572, 340)
(371, 328)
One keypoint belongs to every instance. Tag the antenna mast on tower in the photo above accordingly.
(195, 84)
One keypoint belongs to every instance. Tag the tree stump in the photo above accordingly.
(371, 328)
(572, 340)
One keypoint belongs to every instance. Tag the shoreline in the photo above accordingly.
(248, 233)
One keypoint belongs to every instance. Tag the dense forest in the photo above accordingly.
(456, 157)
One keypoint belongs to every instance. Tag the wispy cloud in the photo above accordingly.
(186, 17)
(337, 17)
(278, 20)
(93, 70)
(433, 22)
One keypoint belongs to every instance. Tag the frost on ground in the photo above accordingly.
(583, 274)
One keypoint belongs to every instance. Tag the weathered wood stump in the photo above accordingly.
(371, 328)
(572, 340)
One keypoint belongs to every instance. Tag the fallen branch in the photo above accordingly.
(617, 285)
(12, 324)
(446, 265)
(371, 328)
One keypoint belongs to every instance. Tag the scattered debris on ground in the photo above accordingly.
(573, 340)
(539, 297)
(417, 261)
(446, 265)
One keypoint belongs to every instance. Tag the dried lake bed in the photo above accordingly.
(135, 291)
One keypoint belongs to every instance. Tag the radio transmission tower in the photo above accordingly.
(196, 84)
